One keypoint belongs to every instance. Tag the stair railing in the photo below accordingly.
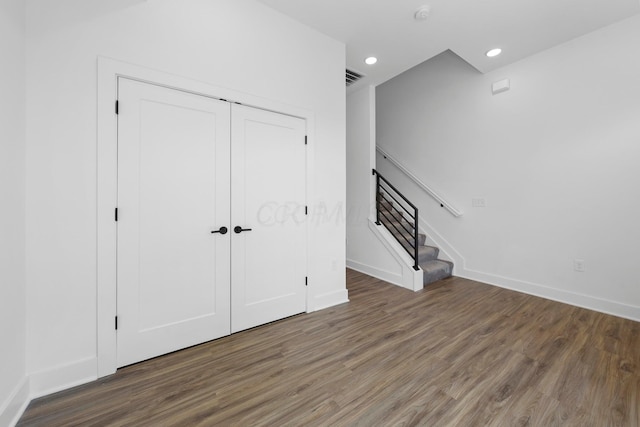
(437, 197)
(408, 223)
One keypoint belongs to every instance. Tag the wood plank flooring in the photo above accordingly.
(459, 353)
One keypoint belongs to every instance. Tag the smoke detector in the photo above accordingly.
(422, 13)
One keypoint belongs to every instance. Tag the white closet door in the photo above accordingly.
(268, 163)
(173, 191)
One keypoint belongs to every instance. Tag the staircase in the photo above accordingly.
(394, 213)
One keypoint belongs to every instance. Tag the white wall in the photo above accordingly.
(12, 208)
(556, 158)
(237, 44)
(365, 251)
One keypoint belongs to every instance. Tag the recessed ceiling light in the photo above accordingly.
(371, 60)
(494, 52)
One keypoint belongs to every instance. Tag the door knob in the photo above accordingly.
(239, 229)
(221, 230)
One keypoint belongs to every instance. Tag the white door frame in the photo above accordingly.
(107, 161)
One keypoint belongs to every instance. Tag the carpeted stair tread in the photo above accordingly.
(401, 225)
(390, 212)
(435, 270)
(427, 253)
(391, 216)
(408, 243)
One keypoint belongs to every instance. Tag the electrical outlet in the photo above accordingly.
(578, 265)
(479, 202)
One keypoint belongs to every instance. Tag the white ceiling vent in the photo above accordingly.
(353, 77)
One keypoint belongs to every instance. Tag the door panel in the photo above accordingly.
(268, 196)
(173, 190)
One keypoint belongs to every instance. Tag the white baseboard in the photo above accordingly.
(387, 276)
(13, 408)
(330, 299)
(572, 298)
(63, 377)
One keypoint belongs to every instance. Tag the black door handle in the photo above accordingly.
(222, 230)
(239, 229)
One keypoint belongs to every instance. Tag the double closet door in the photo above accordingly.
(210, 219)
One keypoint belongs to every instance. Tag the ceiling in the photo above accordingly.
(387, 28)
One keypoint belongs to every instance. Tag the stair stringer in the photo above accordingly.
(411, 278)
(447, 251)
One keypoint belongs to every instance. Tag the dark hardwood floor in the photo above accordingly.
(459, 353)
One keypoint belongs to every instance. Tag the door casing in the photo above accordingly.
(108, 72)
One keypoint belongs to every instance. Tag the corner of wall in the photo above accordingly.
(42, 383)
(378, 273)
(330, 299)
(62, 377)
(16, 404)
